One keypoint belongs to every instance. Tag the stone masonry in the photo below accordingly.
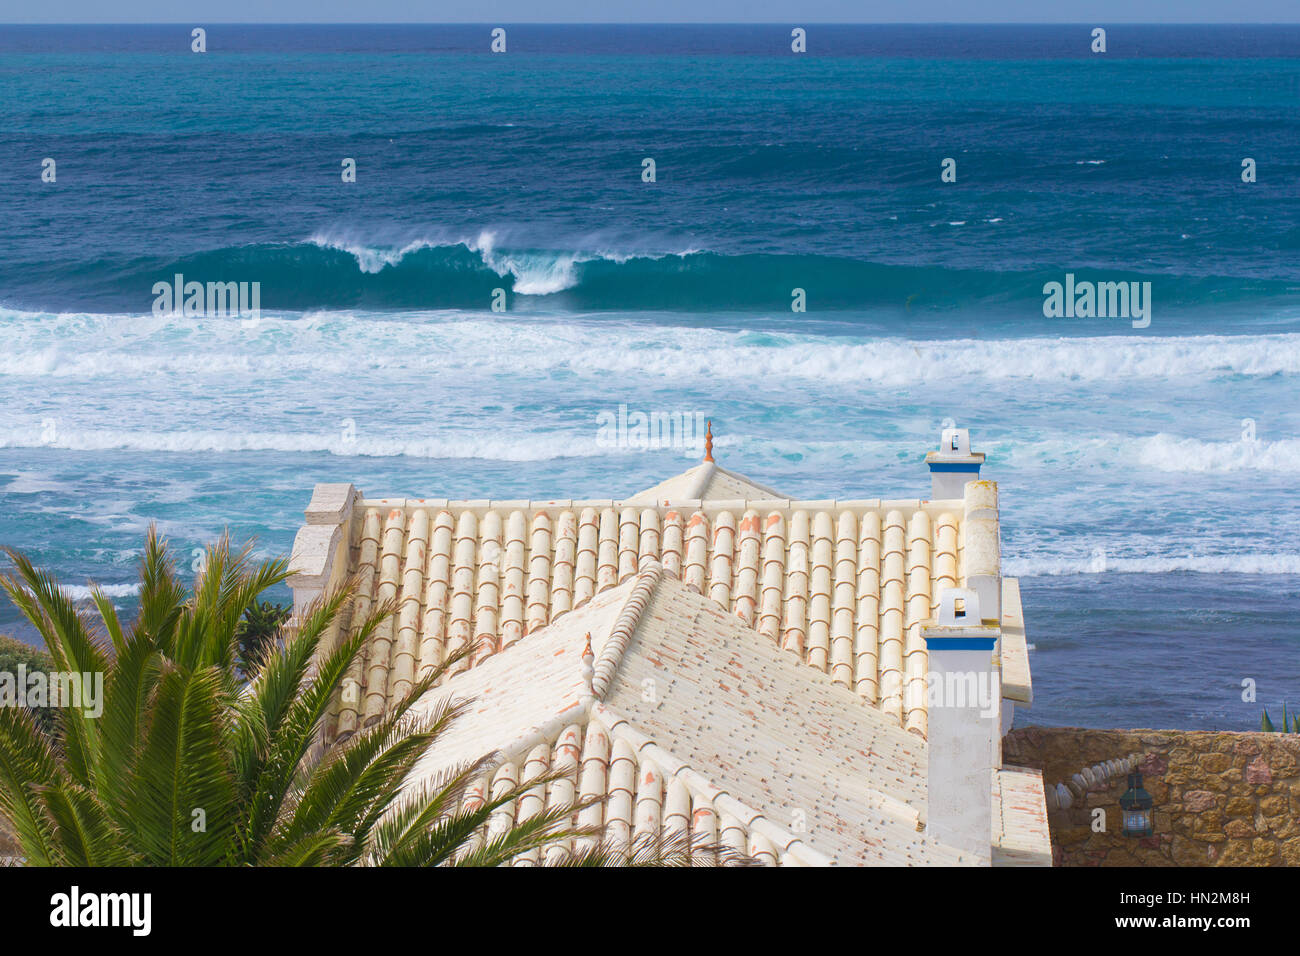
(1221, 799)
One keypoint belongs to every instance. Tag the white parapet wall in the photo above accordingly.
(982, 547)
(320, 551)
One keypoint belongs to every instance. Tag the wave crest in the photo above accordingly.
(333, 270)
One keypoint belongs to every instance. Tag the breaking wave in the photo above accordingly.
(329, 271)
(91, 346)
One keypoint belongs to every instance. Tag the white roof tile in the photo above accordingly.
(754, 658)
(704, 727)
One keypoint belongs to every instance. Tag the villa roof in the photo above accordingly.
(776, 761)
(784, 713)
(842, 585)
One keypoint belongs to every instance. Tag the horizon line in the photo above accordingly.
(659, 23)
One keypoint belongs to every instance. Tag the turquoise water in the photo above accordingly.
(1148, 475)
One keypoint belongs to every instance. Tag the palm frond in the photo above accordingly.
(67, 635)
(128, 696)
(108, 614)
(415, 810)
(83, 828)
(342, 788)
(162, 596)
(27, 762)
(72, 646)
(552, 829)
(267, 772)
(434, 825)
(182, 778)
(317, 848)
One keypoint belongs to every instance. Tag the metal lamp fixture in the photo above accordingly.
(1136, 804)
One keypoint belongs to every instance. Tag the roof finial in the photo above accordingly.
(588, 668)
(708, 442)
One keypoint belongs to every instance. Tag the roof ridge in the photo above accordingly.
(707, 470)
(611, 653)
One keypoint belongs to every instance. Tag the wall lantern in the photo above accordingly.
(1136, 805)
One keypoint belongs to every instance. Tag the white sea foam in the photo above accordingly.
(30, 483)
(414, 442)
(343, 343)
(1250, 563)
(533, 272)
(1162, 452)
(1173, 454)
(371, 259)
(1098, 457)
(80, 592)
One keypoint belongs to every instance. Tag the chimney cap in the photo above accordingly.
(949, 612)
(954, 450)
(950, 630)
(955, 441)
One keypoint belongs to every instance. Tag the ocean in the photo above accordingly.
(1147, 463)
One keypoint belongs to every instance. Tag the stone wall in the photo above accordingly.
(1221, 799)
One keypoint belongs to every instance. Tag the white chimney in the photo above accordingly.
(953, 464)
(964, 696)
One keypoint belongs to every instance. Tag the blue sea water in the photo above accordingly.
(1148, 475)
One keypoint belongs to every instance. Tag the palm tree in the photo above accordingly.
(189, 766)
(257, 630)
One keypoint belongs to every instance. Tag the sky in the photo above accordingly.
(648, 11)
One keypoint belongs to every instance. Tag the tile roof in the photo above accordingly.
(780, 737)
(841, 585)
(1020, 833)
(782, 640)
(783, 765)
(532, 709)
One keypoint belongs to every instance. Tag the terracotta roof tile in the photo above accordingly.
(801, 774)
(773, 632)
(842, 588)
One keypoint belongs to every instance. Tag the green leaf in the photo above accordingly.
(73, 648)
(27, 763)
(84, 829)
(182, 779)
